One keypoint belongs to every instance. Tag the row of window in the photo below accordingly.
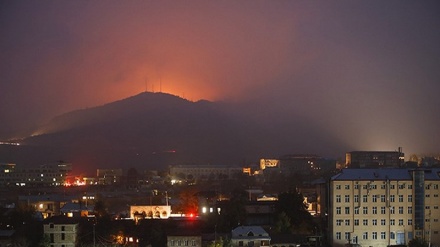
(374, 210)
(182, 243)
(374, 235)
(377, 235)
(374, 222)
(252, 243)
(375, 198)
(383, 186)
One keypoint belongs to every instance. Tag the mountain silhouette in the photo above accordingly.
(149, 130)
(154, 130)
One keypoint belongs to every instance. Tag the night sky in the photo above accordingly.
(368, 72)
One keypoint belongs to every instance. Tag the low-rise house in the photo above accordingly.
(250, 236)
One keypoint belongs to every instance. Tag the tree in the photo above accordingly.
(233, 212)
(28, 229)
(282, 223)
(44, 241)
(292, 204)
(221, 243)
(189, 203)
(100, 209)
(417, 242)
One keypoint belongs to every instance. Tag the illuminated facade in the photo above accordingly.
(381, 207)
(269, 163)
(150, 212)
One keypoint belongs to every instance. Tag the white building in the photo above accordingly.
(381, 207)
(184, 240)
(250, 236)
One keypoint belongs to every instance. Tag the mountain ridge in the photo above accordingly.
(146, 124)
(155, 130)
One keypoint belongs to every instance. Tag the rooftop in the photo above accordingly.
(384, 174)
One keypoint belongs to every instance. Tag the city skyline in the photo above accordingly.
(365, 73)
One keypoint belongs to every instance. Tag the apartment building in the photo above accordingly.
(204, 172)
(381, 207)
(62, 231)
(54, 174)
(109, 176)
(374, 159)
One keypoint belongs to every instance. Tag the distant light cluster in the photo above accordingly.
(10, 143)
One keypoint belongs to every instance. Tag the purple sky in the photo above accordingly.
(366, 71)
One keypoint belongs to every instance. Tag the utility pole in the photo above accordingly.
(94, 239)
